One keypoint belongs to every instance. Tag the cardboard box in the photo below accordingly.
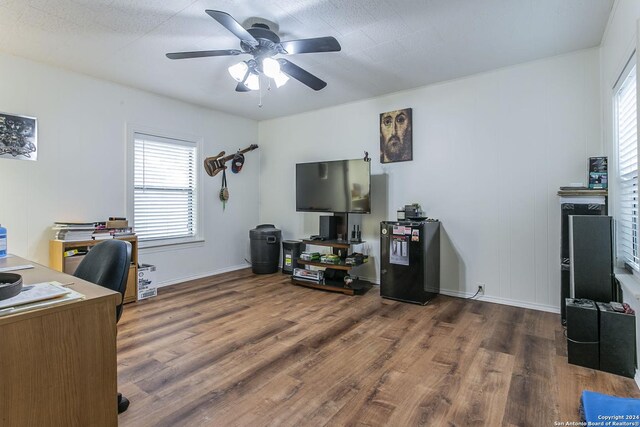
(147, 281)
(117, 223)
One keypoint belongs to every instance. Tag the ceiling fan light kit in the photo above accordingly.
(239, 71)
(252, 81)
(247, 73)
(271, 67)
(263, 44)
(281, 79)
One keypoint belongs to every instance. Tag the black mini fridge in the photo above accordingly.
(410, 260)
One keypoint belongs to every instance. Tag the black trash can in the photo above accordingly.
(265, 248)
(291, 250)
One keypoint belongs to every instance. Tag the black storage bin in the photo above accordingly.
(291, 250)
(265, 248)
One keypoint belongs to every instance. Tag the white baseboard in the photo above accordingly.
(201, 275)
(503, 301)
(497, 300)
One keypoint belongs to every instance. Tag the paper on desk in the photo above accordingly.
(15, 268)
(33, 293)
(71, 295)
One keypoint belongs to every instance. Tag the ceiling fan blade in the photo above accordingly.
(292, 70)
(232, 25)
(320, 44)
(203, 53)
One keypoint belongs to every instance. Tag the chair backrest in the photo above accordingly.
(107, 265)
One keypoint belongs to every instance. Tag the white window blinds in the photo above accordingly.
(626, 114)
(165, 199)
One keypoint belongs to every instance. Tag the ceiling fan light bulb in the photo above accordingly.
(280, 79)
(238, 71)
(252, 82)
(270, 67)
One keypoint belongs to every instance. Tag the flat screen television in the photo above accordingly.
(334, 186)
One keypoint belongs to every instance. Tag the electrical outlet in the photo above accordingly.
(481, 288)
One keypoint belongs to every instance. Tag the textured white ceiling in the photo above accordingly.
(387, 45)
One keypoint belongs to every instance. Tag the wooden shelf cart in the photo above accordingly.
(356, 287)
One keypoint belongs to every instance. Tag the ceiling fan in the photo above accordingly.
(263, 44)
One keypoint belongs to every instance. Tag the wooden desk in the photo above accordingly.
(58, 364)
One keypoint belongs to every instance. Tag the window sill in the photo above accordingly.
(152, 246)
(630, 283)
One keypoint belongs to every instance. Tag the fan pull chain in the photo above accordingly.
(260, 95)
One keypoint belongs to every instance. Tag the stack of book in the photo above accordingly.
(102, 234)
(111, 233)
(75, 231)
(315, 276)
(121, 232)
(102, 230)
(119, 227)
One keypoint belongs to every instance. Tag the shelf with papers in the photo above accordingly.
(67, 264)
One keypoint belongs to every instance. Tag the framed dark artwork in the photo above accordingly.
(598, 178)
(18, 137)
(396, 136)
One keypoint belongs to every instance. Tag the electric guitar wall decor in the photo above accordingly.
(214, 165)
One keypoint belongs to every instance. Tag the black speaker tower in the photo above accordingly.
(617, 341)
(582, 333)
(328, 228)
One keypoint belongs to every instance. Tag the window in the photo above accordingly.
(165, 202)
(626, 140)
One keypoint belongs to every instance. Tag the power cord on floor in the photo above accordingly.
(476, 294)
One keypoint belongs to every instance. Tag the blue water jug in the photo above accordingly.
(3, 241)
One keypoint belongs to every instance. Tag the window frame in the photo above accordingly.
(131, 131)
(620, 259)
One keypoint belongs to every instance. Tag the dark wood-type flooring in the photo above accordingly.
(250, 350)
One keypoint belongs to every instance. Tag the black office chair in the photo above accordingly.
(107, 265)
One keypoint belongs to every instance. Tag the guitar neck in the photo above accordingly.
(231, 156)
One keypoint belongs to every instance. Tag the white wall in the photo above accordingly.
(490, 152)
(80, 172)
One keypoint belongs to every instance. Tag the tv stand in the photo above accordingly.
(357, 287)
